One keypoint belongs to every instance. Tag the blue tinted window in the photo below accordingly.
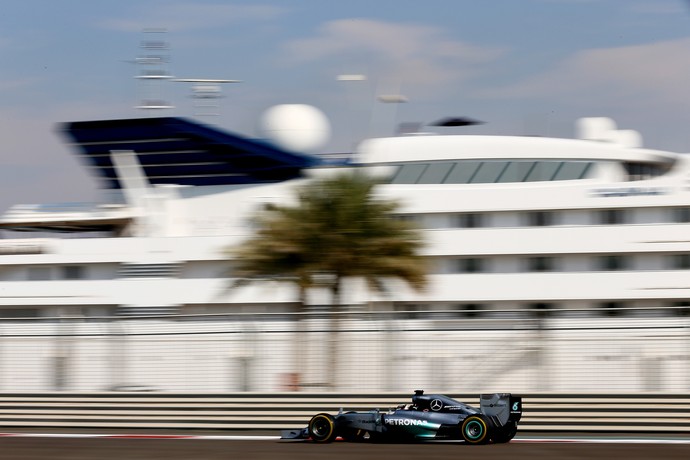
(462, 172)
(409, 173)
(572, 170)
(489, 171)
(436, 173)
(543, 170)
(516, 171)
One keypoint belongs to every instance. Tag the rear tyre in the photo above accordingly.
(505, 434)
(322, 428)
(475, 429)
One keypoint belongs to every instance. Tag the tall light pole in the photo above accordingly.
(356, 103)
(396, 100)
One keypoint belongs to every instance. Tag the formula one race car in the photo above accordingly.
(428, 417)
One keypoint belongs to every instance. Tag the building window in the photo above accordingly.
(611, 216)
(470, 265)
(73, 272)
(18, 313)
(489, 172)
(540, 310)
(516, 171)
(540, 264)
(436, 173)
(409, 173)
(543, 171)
(408, 311)
(463, 172)
(681, 261)
(470, 220)
(681, 215)
(471, 310)
(613, 263)
(571, 170)
(612, 308)
(39, 273)
(539, 219)
(641, 171)
(682, 308)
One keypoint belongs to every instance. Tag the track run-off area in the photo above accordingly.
(123, 446)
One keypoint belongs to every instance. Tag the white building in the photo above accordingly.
(596, 228)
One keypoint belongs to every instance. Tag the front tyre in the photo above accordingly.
(322, 428)
(475, 429)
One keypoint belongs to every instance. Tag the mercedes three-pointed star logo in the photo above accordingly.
(436, 405)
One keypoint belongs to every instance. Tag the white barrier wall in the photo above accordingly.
(372, 354)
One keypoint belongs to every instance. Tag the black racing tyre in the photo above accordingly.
(505, 433)
(475, 429)
(322, 428)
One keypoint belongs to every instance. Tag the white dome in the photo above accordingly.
(296, 127)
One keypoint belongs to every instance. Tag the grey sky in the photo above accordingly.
(523, 66)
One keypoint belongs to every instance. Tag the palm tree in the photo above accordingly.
(337, 230)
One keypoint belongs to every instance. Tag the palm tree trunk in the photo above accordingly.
(334, 335)
(300, 340)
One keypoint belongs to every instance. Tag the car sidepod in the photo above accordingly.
(405, 424)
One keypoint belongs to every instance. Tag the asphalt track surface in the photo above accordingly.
(152, 448)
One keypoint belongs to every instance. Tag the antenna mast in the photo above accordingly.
(154, 70)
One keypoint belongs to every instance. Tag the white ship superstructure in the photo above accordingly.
(546, 223)
(510, 222)
(593, 231)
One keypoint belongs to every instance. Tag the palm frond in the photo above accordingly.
(338, 228)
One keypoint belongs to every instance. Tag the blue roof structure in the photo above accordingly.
(175, 150)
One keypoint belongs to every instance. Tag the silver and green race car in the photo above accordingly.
(427, 417)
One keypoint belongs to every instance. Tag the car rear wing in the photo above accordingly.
(503, 407)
